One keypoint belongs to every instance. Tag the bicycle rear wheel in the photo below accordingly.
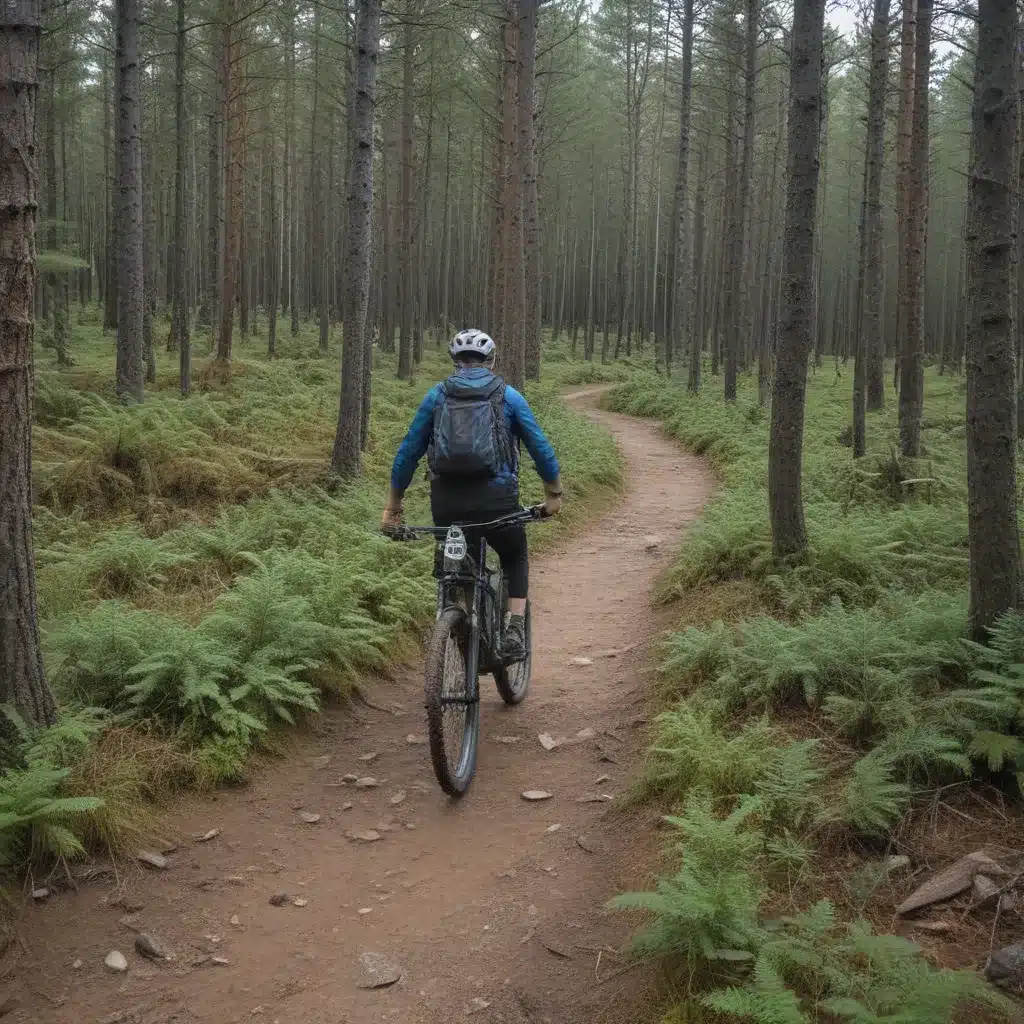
(453, 706)
(513, 680)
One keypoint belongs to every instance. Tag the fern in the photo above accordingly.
(36, 818)
(708, 910)
(872, 801)
(996, 749)
(814, 966)
(692, 751)
(766, 1001)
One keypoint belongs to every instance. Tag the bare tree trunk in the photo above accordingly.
(131, 355)
(406, 282)
(870, 341)
(233, 157)
(148, 263)
(356, 362)
(290, 206)
(528, 161)
(512, 353)
(22, 680)
(994, 533)
(697, 321)
(273, 256)
(179, 336)
(785, 445)
(208, 312)
(682, 310)
(872, 325)
(911, 407)
(110, 136)
(588, 338)
(729, 310)
(904, 129)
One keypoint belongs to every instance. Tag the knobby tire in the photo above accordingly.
(448, 648)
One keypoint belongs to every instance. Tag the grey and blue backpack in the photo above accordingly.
(470, 437)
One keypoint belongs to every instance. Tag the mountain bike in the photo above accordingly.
(466, 642)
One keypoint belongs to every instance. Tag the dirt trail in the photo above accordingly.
(488, 908)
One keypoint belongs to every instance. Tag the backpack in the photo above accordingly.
(470, 437)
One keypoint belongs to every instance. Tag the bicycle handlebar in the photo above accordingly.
(523, 516)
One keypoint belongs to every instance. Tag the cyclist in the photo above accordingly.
(470, 426)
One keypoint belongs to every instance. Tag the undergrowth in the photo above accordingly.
(203, 581)
(846, 689)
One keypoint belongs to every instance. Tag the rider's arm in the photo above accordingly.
(527, 429)
(412, 448)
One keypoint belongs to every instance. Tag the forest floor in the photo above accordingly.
(491, 908)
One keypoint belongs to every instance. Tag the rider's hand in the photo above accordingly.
(391, 520)
(552, 498)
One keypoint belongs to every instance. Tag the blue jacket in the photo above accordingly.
(519, 420)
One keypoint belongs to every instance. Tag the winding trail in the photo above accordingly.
(488, 908)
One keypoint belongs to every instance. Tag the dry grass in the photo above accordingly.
(134, 771)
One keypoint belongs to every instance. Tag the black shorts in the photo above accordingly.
(509, 543)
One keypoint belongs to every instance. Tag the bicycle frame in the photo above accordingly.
(475, 580)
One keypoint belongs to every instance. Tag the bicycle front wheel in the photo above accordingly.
(453, 706)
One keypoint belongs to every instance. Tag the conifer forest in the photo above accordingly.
(754, 265)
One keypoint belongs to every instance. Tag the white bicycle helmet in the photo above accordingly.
(471, 340)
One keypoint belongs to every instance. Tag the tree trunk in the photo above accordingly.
(588, 338)
(356, 361)
(911, 405)
(870, 340)
(872, 328)
(785, 445)
(682, 310)
(904, 132)
(993, 528)
(527, 97)
(512, 351)
(697, 321)
(22, 680)
(290, 209)
(179, 316)
(208, 312)
(273, 257)
(131, 354)
(231, 98)
(406, 278)
(110, 136)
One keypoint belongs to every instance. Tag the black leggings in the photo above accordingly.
(509, 543)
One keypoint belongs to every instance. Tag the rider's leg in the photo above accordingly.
(510, 545)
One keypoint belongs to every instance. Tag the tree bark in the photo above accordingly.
(22, 680)
(682, 310)
(527, 97)
(911, 404)
(231, 100)
(110, 150)
(869, 338)
(872, 325)
(274, 251)
(994, 537)
(356, 361)
(179, 314)
(512, 350)
(406, 280)
(785, 445)
(131, 354)
(697, 321)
